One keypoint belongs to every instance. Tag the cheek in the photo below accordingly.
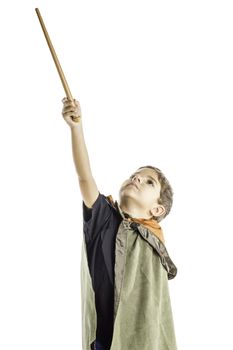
(153, 195)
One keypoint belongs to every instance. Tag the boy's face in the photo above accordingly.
(142, 190)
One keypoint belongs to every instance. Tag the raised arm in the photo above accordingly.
(87, 183)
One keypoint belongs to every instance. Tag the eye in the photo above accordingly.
(151, 182)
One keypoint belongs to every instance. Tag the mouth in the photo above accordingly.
(132, 184)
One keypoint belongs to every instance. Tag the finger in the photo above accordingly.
(66, 100)
(69, 109)
(77, 103)
(69, 105)
(69, 114)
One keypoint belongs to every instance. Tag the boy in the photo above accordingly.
(125, 266)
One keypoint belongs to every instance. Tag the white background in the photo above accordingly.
(155, 84)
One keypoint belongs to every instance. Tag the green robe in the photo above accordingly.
(142, 310)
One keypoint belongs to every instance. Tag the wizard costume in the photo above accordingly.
(125, 269)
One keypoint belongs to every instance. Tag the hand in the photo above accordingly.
(70, 110)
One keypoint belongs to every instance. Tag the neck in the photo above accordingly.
(133, 210)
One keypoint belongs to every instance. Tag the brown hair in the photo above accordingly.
(166, 193)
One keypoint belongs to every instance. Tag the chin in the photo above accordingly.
(128, 193)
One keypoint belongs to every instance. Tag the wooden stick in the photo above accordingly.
(56, 61)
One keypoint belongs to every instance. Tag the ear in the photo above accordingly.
(158, 210)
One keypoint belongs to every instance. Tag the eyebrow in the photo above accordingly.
(152, 178)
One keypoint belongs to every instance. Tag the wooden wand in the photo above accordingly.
(59, 69)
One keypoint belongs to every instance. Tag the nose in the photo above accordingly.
(136, 178)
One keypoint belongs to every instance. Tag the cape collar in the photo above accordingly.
(151, 224)
(156, 239)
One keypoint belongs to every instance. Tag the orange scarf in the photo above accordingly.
(151, 224)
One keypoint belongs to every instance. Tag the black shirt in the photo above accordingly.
(100, 226)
